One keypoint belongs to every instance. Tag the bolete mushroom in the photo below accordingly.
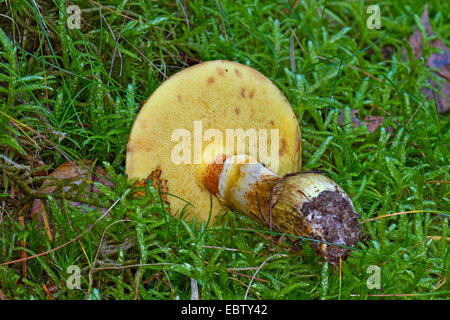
(195, 127)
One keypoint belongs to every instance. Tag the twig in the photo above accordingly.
(232, 249)
(420, 105)
(167, 285)
(185, 15)
(223, 21)
(247, 276)
(248, 287)
(254, 275)
(397, 214)
(107, 8)
(399, 294)
(23, 253)
(298, 42)
(8, 17)
(3, 229)
(352, 67)
(137, 265)
(437, 181)
(292, 52)
(14, 164)
(49, 295)
(136, 289)
(404, 251)
(39, 135)
(437, 238)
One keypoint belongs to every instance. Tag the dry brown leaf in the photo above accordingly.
(157, 183)
(372, 122)
(77, 173)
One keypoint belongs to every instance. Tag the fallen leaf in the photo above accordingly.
(77, 174)
(372, 122)
(439, 61)
(415, 41)
(157, 183)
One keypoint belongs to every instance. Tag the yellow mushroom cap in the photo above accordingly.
(222, 95)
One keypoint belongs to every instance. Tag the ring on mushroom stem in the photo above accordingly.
(226, 95)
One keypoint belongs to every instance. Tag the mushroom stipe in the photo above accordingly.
(226, 95)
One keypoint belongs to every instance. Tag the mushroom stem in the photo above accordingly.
(242, 184)
(301, 204)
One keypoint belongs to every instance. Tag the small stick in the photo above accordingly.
(23, 253)
(49, 295)
(437, 238)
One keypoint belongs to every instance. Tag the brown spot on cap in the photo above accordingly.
(237, 111)
(179, 98)
(220, 72)
(211, 80)
(238, 73)
(243, 92)
(252, 94)
(272, 123)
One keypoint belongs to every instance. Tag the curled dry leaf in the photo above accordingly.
(157, 183)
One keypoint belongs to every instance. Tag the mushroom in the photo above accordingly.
(194, 129)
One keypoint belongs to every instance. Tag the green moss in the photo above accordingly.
(75, 93)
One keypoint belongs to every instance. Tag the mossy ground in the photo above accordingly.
(73, 94)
